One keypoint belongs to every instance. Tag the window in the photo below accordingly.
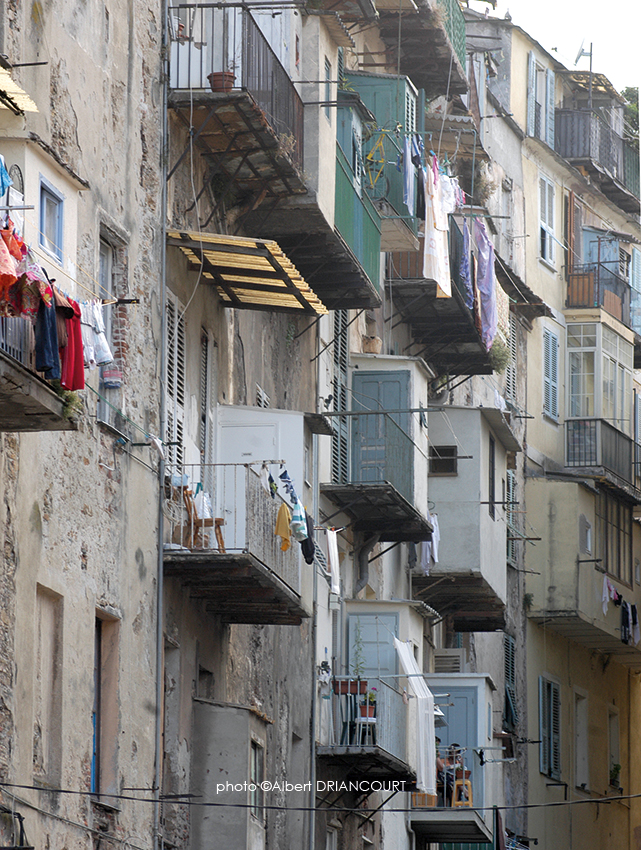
(331, 840)
(585, 535)
(110, 266)
(581, 770)
(47, 708)
(549, 728)
(410, 112)
(581, 342)
(51, 203)
(617, 367)
(550, 374)
(443, 460)
(106, 707)
(175, 378)
(328, 86)
(540, 101)
(511, 369)
(614, 536)
(511, 516)
(262, 399)
(510, 715)
(256, 776)
(546, 218)
(492, 478)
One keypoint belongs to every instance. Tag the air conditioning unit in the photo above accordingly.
(450, 661)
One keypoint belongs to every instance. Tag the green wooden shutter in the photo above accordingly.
(549, 124)
(531, 84)
(510, 715)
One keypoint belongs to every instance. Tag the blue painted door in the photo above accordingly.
(381, 447)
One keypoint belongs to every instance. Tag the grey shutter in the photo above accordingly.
(531, 88)
(340, 440)
(549, 124)
(510, 713)
(550, 375)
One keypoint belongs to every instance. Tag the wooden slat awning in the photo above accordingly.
(248, 274)
(12, 96)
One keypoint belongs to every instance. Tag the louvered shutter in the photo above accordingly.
(549, 90)
(544, 726)
(531, 93)
(175, 380)
(550, 374)
(555, 730)
(510, 372)
(510, 713)
(340, 441)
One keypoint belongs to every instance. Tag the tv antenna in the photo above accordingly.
(580, 55)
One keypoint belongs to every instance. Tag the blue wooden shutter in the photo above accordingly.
(549, 124)
(531, 88)
(550, 374)
(555, 730)
(544, 726)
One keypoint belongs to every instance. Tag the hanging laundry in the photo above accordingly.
(264, 477)
(408, 175)
(96, 349)
(64, 311)
(282, 526)
(426, 557)
(436, 263)
(334, 562)
(486, 283)
(605, 596)
(8, 267)
(307, 546)
(436, 536)
(298, 524)
(625, 622)
(47, 358)
(73, 371)
(636, 630)
(465, 269)
(289, 487)
(420, 195)
(5, 180)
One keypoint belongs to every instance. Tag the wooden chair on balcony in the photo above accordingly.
(193, 536)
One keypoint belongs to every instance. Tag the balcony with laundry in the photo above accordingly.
(236, 100)
(589, 133)
(222, 543)
(379, 476)
(462, 571)
(466, 769)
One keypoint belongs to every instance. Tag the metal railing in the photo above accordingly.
(223, 508)
(17, 340)
(598, 285)
(582, 134)
(227, 41)
(388, 185)
(454, 27)
(456, 765)
(594, 443)
(357, 220)
(369, 713)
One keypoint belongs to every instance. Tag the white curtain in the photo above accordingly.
(426, 767)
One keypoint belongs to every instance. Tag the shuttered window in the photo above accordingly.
(546, 211)
(549, 728)
(510, 715)
(541, 83)
(511, 515)
(550, 374)
(510, 372)
(340, 440)
(175, 380)
(492, 478)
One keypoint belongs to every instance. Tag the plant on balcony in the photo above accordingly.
(371, 697)
(499, 355)
(358, 660)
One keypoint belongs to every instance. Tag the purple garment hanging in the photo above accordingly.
(486, 283)
(408, 175)
(465, 269)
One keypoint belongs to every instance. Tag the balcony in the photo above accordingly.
(433, 44)
(444, 327)
(27, 402)
(380, 474)
(596, 449)
(584, 139)
(237, 102)
(223, 546)
(469, 582)
(596, 285)
(464, 705)
(368, 739)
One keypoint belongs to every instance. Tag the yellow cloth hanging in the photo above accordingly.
(282, 526)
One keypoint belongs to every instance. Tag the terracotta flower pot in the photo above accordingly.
(367, 710)
(221, 80)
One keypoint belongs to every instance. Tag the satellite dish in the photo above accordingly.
(579, 54)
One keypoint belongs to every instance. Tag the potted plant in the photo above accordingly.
(615, 772)
(368, 706)
(222, 81)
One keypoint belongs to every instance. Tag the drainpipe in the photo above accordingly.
(160, 636)
(363, 561)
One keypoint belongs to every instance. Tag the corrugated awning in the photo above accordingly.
(249, 274)
(12, 96)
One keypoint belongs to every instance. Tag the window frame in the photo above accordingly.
(550, 374)
(581, 740)
(547, 238)
(256, 778)
(49, 192)
(614, 536)
(442, 456)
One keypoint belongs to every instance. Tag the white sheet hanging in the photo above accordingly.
(334, 563)
(425, 737)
